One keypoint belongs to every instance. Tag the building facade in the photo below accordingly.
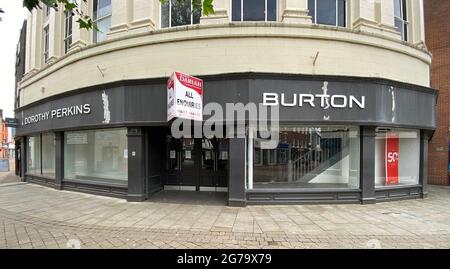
(438, 42)
(350, 78)
(3, 137)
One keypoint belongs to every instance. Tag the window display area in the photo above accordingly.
(307, 157)
(41, 155)
(96, 155)
(34, 155)
(397, 157)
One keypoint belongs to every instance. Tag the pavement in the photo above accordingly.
(33, 216)
(8, 177)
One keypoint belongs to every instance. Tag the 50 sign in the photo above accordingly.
(392, 158)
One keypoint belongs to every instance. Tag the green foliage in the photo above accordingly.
(198, 5)
(86, 22)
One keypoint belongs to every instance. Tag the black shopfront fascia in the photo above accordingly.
(140, 106)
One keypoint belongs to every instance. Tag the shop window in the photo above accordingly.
(41, 155)
(48, 155)
(308, 157)
(329, 12)
(96, 155)
(102, 17)
(400, 16)
(397, 157)
(34, 155)
(177, 13)
(254, 10)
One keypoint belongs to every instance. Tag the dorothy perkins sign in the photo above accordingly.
(184, 97)
(57, 113)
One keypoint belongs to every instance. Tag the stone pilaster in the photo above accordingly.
(122, 14)
(36, 46)
(295, 11)
(222, 9)
(416, 23)
(143, 15)
(374, 16)
(81, 37)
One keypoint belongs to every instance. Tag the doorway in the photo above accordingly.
(197, 164)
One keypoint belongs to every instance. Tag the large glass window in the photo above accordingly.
(400, 15)
(102, 17)
(41, 155)
(397, 157)
(177, 13)
(254, 10)
(308, 157)
(48, 155)
(330, 12)
(96, 155)
(34, 155)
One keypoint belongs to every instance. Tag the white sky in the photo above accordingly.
(10, 26)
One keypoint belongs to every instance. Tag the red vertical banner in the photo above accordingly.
(392, 158)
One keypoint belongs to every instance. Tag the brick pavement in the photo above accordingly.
(32, 216)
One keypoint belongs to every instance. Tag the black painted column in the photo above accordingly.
(367, 166)
(23, 158)
(136, 165)
(236, 180)
(59, 159)
(423, 167)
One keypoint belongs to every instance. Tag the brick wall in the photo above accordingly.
(437, 28)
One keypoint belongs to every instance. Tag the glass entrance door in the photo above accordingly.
(214, 165)
(197, 164)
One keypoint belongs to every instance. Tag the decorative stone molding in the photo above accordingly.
(220, 16)
(294, 15)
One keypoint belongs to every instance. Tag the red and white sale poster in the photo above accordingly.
(392, 158)
(184, 97)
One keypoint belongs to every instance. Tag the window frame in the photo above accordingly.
(403, 19)
(90, 178)
(41, 154)
(242, 11)
(46, 43)
(68, 26)
(170, 16)
(38, 136)
(353, 181)
(380, 135)
(314, 20)
(47, 11)
(97, 19)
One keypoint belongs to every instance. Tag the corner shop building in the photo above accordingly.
(115, 140)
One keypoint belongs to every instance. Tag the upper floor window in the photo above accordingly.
(175, 13)
(254, 10)
(330, 12)
(47, 11)
(401, 20)
(102, 17)
(46, 43)
(67, 30)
